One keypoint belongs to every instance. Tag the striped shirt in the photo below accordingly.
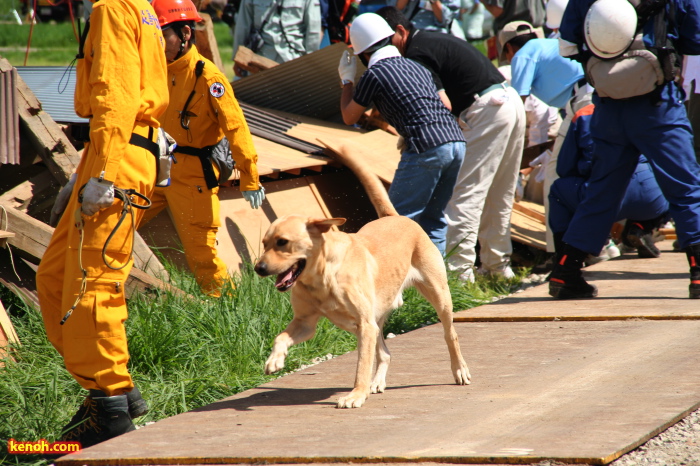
(405, 94)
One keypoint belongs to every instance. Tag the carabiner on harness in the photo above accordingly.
(128, 206)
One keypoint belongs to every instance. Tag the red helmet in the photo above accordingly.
(171, 11)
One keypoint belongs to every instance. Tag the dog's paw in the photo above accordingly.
(462, 375)
(377, 386)
(274, 363)
(353, 400)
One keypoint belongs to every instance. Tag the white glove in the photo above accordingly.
(59, 206)
(167, 146)
(254, 197)
(97, 195)
(347, 68)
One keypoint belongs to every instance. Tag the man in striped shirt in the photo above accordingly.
(405, 94)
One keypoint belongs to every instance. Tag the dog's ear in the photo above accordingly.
(322, 225)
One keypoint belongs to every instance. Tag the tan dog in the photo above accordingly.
(356, 280)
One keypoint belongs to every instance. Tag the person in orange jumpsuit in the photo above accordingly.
(202, 111)
(121, 87)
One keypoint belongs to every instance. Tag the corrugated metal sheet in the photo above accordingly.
(54, 86)
(9, 118)
(308, 85)
(274, 127)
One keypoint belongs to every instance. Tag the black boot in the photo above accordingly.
(640, 235)
(693, 253)
(137, 405)
(99, 418)
(566, 281)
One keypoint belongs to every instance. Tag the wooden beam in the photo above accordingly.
(251, 62)
(20, 197)
(43, 133)
(33, 236)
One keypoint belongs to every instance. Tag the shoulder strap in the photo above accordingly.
(83, 38)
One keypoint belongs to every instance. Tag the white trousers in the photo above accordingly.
(581, 98)
(481, 205)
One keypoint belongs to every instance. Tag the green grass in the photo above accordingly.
(55, 44)
(185, 353)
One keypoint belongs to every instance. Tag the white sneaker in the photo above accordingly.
(505, 272)
(610, 251)
(467, 276)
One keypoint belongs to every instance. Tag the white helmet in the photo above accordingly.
(610, 27)
(555, 10)
(368, 29)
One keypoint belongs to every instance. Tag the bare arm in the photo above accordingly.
(351, 110)
(445, 99)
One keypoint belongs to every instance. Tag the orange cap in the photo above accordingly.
(171, 11)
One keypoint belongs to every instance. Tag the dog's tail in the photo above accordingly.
(371, 182)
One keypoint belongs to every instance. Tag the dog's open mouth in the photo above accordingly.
(286, 279)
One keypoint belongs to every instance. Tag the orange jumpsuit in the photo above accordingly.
(121, 86)
(214, 112)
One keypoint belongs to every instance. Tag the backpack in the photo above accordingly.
(641, 69)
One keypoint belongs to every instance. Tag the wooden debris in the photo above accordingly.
(252, 62)
(47, 138)
(32, 237)
(206, 41)
(8, 335)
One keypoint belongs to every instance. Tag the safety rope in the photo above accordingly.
(128, 206)
(7, 228)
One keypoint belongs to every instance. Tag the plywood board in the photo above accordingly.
(376, 149)
(628, 288)
(574, 392)
(527, 225)
(242, 228)
(274, 158)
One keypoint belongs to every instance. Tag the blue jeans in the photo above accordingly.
(423, 185)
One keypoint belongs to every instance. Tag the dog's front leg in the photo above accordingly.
(367, 334)
(299, 329)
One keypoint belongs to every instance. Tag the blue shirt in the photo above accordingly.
(405, 94)
(538, 69)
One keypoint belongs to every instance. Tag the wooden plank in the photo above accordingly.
(274, 158)
(33, 236)
(206, 41)
(46, 137)
(8, 335)
(376, 149)
(525, 208)
(20, 197)
(18, 275)
(565, 392)
(242, 228)
(662, 294)
(252, 62)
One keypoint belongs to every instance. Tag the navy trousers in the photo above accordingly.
(622, 130)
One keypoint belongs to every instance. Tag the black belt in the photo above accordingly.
(81, 133)
(204, 154)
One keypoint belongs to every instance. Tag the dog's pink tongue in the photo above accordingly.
(283, 278)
